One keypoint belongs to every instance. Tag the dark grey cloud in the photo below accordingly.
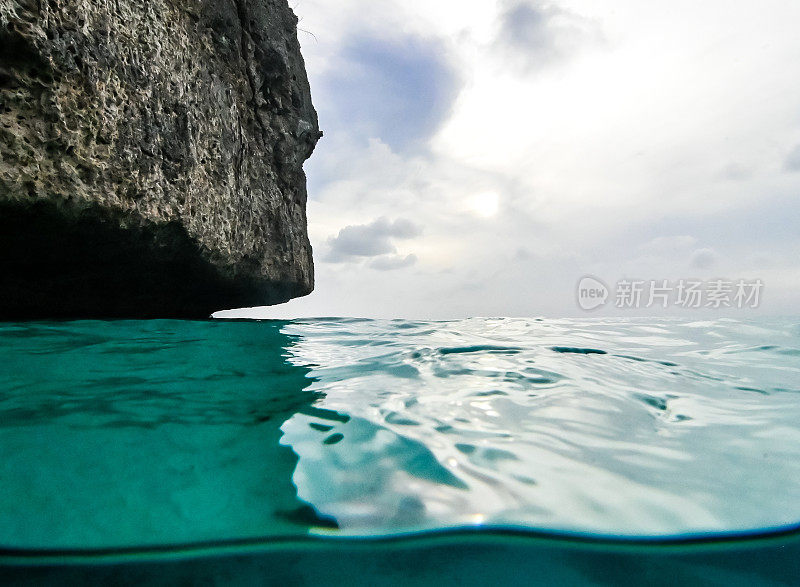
(792, 162)
(370, 240)
(536, 34)
(392, 262)
(397, 90)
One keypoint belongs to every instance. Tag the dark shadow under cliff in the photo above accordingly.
(67, 261)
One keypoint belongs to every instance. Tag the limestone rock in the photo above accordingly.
(151, 157)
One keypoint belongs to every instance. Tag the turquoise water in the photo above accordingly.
(582, 451)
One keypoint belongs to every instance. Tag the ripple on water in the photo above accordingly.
(577, 351)
(537, 434)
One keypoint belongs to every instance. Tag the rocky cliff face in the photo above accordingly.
(151, 157)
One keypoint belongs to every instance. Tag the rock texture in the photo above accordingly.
(151, 157)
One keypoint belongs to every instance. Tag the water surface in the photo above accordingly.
(139, 436)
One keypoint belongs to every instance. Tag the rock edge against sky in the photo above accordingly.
(151, 157)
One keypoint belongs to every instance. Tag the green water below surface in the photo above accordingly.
(358, 451)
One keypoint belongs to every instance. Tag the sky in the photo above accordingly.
(481, 157)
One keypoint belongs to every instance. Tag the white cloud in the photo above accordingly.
(370, 240)
(668, 245)
(393, 262)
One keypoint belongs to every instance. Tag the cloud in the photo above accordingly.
(397, 90)
(704, 258)
(370, 240)
(793, 160)
(535, 34)
(393, 262)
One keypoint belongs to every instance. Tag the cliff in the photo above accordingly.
(151, 157)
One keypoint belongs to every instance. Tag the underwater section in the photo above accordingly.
(136, 434)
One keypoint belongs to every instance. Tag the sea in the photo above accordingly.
(340, 451)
